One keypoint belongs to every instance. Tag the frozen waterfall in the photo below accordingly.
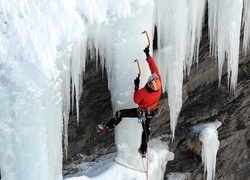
(43, 49)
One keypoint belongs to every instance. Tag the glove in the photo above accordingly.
(146, 51)
(137, 82)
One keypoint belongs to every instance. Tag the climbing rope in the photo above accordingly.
(146, 169)
(129, 167)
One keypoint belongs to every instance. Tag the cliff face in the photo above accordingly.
(203, 101)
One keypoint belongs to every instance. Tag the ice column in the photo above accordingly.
(128, 45)
(119, 42)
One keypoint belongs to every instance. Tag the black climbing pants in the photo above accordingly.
(134, 113)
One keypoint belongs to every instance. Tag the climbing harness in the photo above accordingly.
(144, 113)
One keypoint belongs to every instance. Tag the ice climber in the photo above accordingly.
(147, 99)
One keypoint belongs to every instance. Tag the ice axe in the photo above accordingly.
(147, 37)
(138, 64)
(139, 68)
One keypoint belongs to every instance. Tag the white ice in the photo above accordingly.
(106, 167)
(43, 48)
(208, 135)
(246, 22)
(179, 25)
(31, 92)
(224, 27)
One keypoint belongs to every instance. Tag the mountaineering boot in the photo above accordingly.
(143, 153)
(101, 127)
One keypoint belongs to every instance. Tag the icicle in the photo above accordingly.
(73, 60)
(225, 35)
(63, 60)
(246, 22)
(213, 25)
(195, 21)
(77, 67)
(210, 145)
(179, 27)
(172, 41)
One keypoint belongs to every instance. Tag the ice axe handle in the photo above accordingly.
(139, 68)
(147, 38)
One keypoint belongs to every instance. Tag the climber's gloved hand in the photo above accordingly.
(137, 82)
(146, 51)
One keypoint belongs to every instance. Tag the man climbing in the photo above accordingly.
(147, 99)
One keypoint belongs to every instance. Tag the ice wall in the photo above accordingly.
(120, 42)
(43, 49)
(46, 67)
(31, 34)
(128, 45)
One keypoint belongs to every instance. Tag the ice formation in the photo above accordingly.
(43, 49)
(208, 135)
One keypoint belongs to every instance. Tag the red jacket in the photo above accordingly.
(142, 97)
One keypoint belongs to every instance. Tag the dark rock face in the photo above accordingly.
(203, 101)
(207, 103)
